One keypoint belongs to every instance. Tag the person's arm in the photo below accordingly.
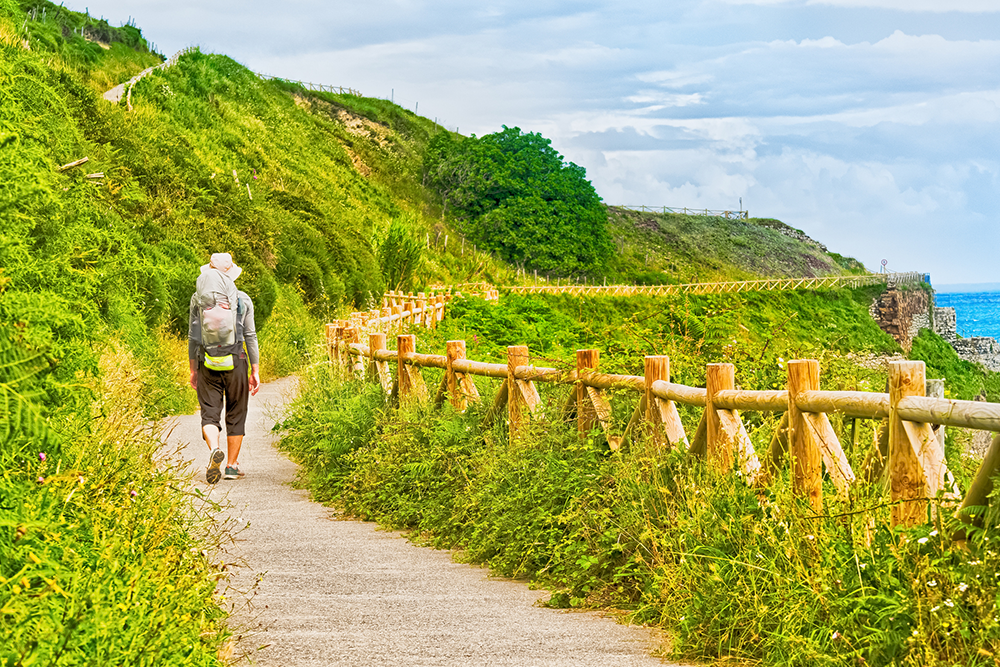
(194, 338)
(253, 350)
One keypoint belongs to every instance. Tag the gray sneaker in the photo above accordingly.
(215, 459)
(234, 472)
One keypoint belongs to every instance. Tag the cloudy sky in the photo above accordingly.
(870, 124)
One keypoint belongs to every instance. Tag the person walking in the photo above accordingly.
(222, 340)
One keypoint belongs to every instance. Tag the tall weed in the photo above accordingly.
(102, 558)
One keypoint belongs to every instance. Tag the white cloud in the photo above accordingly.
(932, 6)
(869, 124)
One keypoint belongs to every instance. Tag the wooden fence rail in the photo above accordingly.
(908, 457)
(775, 284)
(396, 298)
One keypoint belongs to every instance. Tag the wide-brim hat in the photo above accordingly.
(223, 261)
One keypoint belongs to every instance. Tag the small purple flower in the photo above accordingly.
(41, 480)
(41, 456)
(133, 493)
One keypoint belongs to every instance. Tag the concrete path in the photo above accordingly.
(343, 592)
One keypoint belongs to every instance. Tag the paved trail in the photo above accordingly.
(336, 592)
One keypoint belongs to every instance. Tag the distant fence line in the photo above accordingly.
(731, 215)
(776, 284)
(315, 87)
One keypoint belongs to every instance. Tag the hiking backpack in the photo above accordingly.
(218, 312)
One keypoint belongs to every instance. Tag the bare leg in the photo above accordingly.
(233, 443)
(211, 435)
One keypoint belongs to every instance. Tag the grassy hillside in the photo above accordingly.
(672, 247)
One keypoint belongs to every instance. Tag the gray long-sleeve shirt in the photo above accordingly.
(249, 329)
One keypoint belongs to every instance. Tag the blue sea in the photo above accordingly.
(978, 313)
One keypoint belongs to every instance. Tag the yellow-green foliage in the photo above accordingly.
(103, 558)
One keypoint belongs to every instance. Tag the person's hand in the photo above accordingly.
(194, 379)
(254, 382)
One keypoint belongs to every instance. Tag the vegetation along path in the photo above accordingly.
(340, 592)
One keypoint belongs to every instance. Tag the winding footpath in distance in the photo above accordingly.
(343, 592)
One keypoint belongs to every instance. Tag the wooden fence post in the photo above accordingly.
(719, 449)
(910, 482)
(662, 416)
(338, 337)
(521, 394)
(379, 370)
(460, 385)
(354, 365)
(807, 461)
(397, 324)
(423, 320)
(586, 413)
(404, 345)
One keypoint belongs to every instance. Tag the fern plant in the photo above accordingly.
(21, 418)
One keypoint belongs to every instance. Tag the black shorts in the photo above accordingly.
(228, 388)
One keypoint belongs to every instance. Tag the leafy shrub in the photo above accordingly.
(516, 196)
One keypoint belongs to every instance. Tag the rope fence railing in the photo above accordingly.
(907, 458)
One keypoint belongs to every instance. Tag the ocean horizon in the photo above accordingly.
(977, 310)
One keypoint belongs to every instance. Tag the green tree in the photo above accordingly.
(514, 194)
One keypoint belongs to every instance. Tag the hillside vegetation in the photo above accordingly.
(676, 248)
(323, 199)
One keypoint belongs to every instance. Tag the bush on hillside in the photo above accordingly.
(514, 194)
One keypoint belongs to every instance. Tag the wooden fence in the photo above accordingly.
(732, 215)
(323, 88)
(772, 284)
(909, 456)
(396, 298)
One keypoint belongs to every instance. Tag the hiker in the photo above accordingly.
(219, 323)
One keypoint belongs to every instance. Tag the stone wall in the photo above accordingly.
(980, 349)
(895, 312)
(945, 324)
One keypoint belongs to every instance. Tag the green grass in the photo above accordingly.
(662, 248)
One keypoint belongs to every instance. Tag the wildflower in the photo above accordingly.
(962, 587)
(934, 610)
(41, 480)
(80, 479)
(932, 583)
(810, 537)
(949, 603)
(864, 565)
(916, 633)
(922, 540)
(133, 493)
(934, 533)
(41, 456)
(835, 636)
